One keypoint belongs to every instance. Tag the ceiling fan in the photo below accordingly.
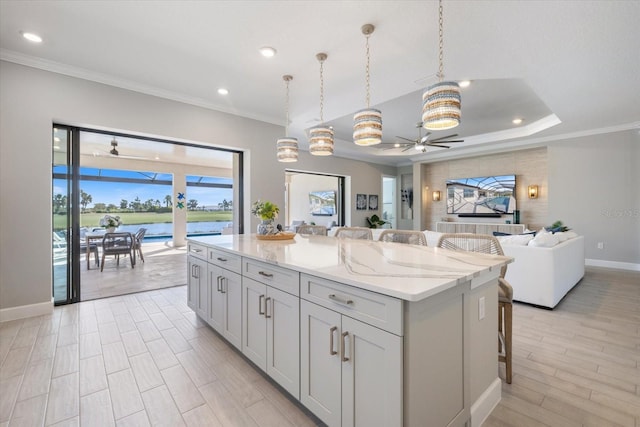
(422, 142)
(115, 153)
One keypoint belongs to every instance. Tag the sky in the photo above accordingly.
(113, 192)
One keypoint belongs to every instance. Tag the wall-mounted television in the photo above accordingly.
(322, 203)
(482, 196)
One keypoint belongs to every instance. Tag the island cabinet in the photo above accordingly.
(362, 333)
(197, 278)
(271, 327)
(351, 371)
(224, 292)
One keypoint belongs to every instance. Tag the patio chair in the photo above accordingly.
(118, 244)
(486, 244)
(317, 230)
(411, 237)
(354, 233)
(137, 242)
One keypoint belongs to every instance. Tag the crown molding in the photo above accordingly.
(81, 73)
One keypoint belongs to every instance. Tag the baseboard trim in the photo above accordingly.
(31, 310)
(482, 408)
(612, 264)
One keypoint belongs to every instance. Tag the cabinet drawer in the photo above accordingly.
(379, 310)
(281, 278)
(197, 250)
(226, 260)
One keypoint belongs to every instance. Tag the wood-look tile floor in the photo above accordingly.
(577, 365)
(145, 359)
(133, 360)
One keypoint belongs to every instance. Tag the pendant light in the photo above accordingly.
(367, 123)
(441, 102)
(321, 137)
(287, 147)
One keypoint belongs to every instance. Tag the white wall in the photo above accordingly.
(594, 187)
(32, 100)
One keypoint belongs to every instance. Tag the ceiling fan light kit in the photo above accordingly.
(287, 147)
(367, 123)
(321, 137)
(441, 102)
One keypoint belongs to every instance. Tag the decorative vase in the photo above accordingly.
(110, 229)
(266, 227)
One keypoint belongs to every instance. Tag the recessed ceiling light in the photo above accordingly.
(32, 37)
(464, 83)
(396, 145)
(516, 121)
(267, 52)
(223, 91)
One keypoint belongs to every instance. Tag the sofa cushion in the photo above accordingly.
(515, 239)
(544, 239)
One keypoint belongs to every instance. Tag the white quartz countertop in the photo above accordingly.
(403, 271)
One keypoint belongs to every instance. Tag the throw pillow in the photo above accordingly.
(544, 239)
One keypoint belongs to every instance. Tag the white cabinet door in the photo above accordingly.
(196, 280)
(283, 339)
(320, 365)
(254, 327)
(215, 314)
(232, 291)
(371, 375)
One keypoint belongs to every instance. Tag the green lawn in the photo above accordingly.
(133, 218)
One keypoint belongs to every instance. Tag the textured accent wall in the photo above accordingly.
(529, 166)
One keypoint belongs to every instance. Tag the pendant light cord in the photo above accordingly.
(321, 57)
(367, 71)
(441, 46)
(286, 108)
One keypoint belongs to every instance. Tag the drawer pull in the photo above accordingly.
(260, 310)
(266, 308)
(196, 250)
(262, 273)
(342, 348)
(336, 298)
(332, 352)
(221, 259)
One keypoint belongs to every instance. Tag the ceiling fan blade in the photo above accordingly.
(407, 139)
(446, 142)
(444, 137)
(408, 148)
(438, 146)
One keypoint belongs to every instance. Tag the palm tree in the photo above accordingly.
(167, 200)
(85, 199)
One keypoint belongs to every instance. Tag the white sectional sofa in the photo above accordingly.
(543, 276)
(539, 275)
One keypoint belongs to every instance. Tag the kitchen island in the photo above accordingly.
(362, 333)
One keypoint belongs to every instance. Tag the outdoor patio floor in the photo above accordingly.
(164, 266)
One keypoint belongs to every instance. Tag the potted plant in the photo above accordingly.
(267, 212)
(375, 222)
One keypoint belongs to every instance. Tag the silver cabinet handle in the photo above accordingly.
(266, 308)
(260, 299)
(332, 331)
(196, 250)
(262, 273)
(342, 350)
(221, 259)
(196, 270)
(223, 282)
(336, 298)
(219, 280)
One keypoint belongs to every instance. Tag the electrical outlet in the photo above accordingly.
(481, 308)
(600, 245)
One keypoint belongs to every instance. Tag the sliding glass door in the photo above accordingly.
(171, 190)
